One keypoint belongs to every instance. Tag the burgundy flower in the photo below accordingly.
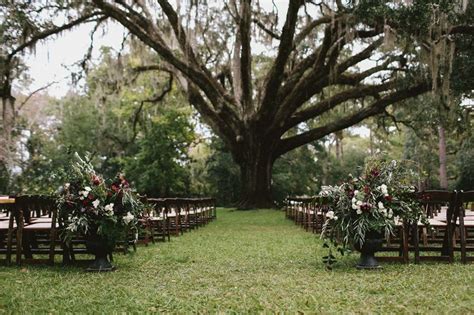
(91, 197)
(115, 188)
(85, 202)
(96, 180)
(388, 198)
(125, 184)
(366, 207)
(366, 189)
(350, 193)
(375, 172)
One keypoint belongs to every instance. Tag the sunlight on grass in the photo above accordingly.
(243, 262)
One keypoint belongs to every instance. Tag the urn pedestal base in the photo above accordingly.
(372, 244)
(102, 251)
(100, 264)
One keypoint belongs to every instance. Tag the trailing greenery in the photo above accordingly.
(244, 262)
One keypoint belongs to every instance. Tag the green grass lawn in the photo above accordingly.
(250, 261)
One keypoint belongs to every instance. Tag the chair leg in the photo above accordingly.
(416, 240)
(52, 246)
(463, 243)
(405, 232)
(10, 232)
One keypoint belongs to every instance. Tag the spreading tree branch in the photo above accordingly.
(331, 102)
(246, 56)
(33, 93)
(52, 31)
(275, 75)
(377, 107)
(145, 30)
(155, 99)
(266, 30)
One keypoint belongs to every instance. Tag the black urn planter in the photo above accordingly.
(372, 243)
(102, 249)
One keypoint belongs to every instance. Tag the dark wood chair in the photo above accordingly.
(10, 235)
(159, 225)
(39, 228)
(175, 215)
(322, 206)
(397, 243)
(437, 238)
(464, 219)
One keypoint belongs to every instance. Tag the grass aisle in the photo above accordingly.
(243, 262)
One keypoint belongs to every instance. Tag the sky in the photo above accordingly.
(52, 57)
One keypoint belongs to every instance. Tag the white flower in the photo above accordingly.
(95, 203)
(396, 219)
(109, 209)
(412, 189)
(87, 188)
(330, 215)
(354, 206)
(82, 198)
(359, 203)
(335, 218)
(383, 189)
(359, 211)
(67, 185)
(128, 218)
(84, 193)
(390, 213)
(381, 206)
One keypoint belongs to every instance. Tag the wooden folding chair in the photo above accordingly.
(175, 215)
(322, 206)
(397, 243)
(437, 238)
(10, 236)
(464, 219)
(158, 220)
(39, 228)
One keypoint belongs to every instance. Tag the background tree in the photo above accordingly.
(22, 25)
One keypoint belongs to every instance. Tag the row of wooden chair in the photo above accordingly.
(174, 216)
(450, 229)
(30, 227)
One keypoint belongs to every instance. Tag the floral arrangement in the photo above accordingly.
(88, 205)
(375, 202)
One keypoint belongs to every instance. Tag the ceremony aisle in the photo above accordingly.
(245, 261)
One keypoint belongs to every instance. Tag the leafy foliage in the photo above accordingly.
(158, 166)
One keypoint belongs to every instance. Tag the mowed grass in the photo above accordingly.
(244, 262)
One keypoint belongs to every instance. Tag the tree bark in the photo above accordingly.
(255, 159)
(443, 174)
(256, 191)
(8, 122)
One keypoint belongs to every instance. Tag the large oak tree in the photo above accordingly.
(353, 58)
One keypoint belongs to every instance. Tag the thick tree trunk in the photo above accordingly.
(443, 173)
(256, 189)
(8, 122)
(256, 164)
